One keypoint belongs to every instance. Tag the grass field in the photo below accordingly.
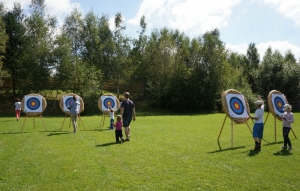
(171, 152)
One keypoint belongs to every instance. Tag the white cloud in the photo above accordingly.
(58, 8)
(281, 46)
(289, 8)
(10, 3)
(193, 17)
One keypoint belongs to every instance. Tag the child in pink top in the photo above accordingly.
(118, 131)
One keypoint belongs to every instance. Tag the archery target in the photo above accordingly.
(68, 100)
(109, 101)
(278, 101)
(33, 104)
(236, 105)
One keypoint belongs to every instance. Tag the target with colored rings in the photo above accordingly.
(279, 104)
(109, 103)
(33, 103)
(69, 101)
(236, 105)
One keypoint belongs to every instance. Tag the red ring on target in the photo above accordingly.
(279, 104)
(109, 103)
(236, 105)
(33, 103)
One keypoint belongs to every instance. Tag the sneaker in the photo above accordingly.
(290, 148)
(127, 139)
(284, 147)
(122, 139)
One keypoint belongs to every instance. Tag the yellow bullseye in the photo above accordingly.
(236, 105)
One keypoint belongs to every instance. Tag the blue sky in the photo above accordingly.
(274, 23)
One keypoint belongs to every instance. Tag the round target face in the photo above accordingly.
(109, 102)
(279, 104)
(33, 103)
(69, 101)
(236, 105)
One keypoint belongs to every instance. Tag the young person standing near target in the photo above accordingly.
(74, 108)
(258, 127)
(17, 108)
(287, 119)
(127, 113)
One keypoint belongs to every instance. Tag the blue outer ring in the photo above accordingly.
(276, 100)
(106, 100)
(33, 99)
(69, 101)
(236, 111)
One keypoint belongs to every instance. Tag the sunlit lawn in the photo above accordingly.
(165, 153)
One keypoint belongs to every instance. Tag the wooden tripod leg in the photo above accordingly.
(81, 121)
(102, 121)
(266, 118)
(23, 123)
(231, 133)
(222, 127)
(33, 122)
(43, 123)
(293, 133)
(249, 127)
(275, 127)
(63, 122)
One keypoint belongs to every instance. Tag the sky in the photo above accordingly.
(267, 23)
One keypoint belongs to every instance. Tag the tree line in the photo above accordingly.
(176, 72)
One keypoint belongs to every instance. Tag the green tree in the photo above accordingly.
(271, 72)
(3, 39)
(38, 61)
(121, 66)
(15, 45)
(106, 47)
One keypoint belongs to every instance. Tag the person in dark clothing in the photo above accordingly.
(127, 113)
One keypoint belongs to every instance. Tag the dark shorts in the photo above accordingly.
(126, 122)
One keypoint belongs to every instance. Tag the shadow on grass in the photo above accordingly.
(283, 152)
(228, 149)
(273, 143)
(107, 144)
(97, 129)
(58, 133)
(12, 133)
(252, 153)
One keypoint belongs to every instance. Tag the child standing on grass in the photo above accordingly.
(112, 118)
(118, 131)
(17, 108)
(287, 119)
(258, 127)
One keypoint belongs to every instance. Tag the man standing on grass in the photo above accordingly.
(128, 113)
(74, 108)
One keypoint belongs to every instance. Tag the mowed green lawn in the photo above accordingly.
(177, 152)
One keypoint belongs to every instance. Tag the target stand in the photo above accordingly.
(236, 108)
(33, 105)
(105, 102)
(70, 121)
(276, 102)
(67, 100)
